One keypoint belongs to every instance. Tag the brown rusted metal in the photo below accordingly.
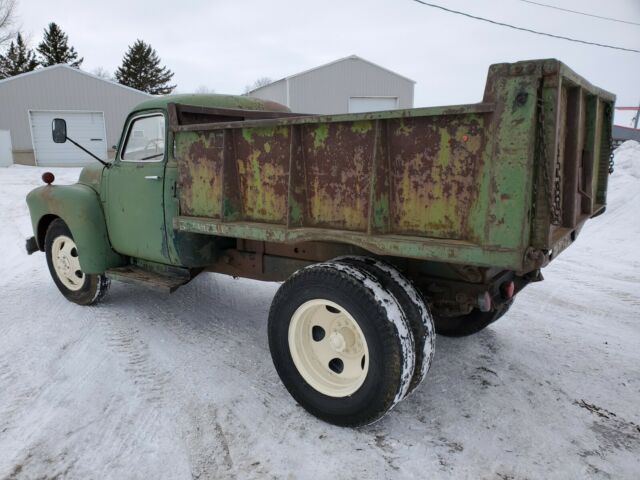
(471, 184)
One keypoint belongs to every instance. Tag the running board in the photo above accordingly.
(166, 283)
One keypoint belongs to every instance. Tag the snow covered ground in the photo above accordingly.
(182, 386)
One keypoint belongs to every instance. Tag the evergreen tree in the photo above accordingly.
(18, 59)
(141, 69)
(55, 49)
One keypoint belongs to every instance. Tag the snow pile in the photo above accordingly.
(627, 160)
(620, 223)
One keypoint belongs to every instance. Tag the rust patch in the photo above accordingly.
(262, 165)
(200, 173)
(337, 157)
(434, 173)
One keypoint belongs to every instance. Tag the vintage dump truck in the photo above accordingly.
(379, 224)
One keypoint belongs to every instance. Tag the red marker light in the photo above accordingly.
(48, 178)
(507, 289)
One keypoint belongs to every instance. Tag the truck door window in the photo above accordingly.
(145, 140)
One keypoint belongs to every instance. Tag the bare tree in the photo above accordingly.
(102, 73)
(7, 19)
(260, 82)
(204, 89)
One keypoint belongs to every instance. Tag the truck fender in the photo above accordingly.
(80, 208)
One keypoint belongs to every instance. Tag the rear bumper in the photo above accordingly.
(31, 245)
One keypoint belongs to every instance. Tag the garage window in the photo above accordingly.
(145, 140)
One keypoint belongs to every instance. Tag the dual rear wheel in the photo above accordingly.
(350, 339)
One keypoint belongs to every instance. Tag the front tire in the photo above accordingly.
(64, 267)
(341, 344)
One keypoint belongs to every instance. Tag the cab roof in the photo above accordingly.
(212, 101)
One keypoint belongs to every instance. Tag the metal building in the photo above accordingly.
(93, 107)
(350, 84)
(621, 134)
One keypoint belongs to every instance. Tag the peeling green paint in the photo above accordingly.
(320, 134)
(404, 129)
(295, 212)
(362, 127)
(229, 210)
(381, 212)
(247, 134)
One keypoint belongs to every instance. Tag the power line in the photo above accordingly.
(526, 29)
(580, 13)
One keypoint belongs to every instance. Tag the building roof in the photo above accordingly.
(621, 132)
(350, 57)
(213, 101)
(44, 70)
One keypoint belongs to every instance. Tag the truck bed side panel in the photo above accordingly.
(466, 184)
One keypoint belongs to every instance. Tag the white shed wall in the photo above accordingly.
(276, 92)
(327, 89)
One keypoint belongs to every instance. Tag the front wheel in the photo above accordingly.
(64, 265)
(341, 344)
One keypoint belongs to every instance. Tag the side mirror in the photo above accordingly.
(59, 130)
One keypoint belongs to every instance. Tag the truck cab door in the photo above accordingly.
(135, 190)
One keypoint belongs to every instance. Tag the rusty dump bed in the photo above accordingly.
(505, 183)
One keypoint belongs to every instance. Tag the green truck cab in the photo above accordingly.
(385, 227)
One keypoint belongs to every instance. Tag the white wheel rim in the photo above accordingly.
(64, 255)
(328, 348)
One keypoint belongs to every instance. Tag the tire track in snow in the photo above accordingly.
(199, 314)
(145, 387)
(18, 396)
(47, 390)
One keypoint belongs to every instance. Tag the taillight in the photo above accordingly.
(507, 289)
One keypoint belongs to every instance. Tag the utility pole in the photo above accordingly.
(635, 119)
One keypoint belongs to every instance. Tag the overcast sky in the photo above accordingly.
(225, 45)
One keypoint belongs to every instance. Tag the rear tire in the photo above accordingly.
(318, 319)
(473, 322)
(64, 267)
(413, 305)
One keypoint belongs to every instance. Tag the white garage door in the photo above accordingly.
(86, 128)
(372, 104)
